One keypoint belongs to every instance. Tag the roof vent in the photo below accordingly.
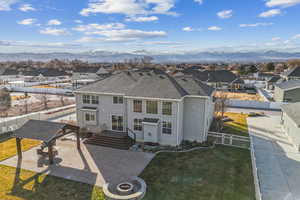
(184, 80)
(149, 74)
(128, 73)
(162, 77)
(141, 74)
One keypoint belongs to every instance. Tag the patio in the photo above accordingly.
(90, 164)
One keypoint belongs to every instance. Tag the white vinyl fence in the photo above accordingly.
(255, 104)
(14, 123)
(230, 140)
(255, 174)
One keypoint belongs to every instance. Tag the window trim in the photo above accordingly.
(163, 108)
(147, 109)
(118, 125)
(119, 100)
(139, 124)
(167, 128)
(141, 106)
(89, 121)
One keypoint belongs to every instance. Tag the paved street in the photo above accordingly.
(277, 160)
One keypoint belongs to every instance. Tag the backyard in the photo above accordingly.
(222, 173)
(237, 125)
(240, 96)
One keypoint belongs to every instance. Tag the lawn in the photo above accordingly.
(222, 173)
(8, 148)
(238, 126)
(28, 185)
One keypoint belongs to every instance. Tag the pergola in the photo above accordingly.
(45, 131)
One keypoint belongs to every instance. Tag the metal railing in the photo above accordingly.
(131, 134)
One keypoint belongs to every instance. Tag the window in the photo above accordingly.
(118, 100)
(167, 127)
(95, 100)
(90, 117)
(151, 107)
(117, 123)
(167, 108)
(138, 124)
(137, 106)
(86, 99)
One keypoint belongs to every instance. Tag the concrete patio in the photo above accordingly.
(93, 164)
(277, 160)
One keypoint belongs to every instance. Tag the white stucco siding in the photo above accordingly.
(194, 119)
(292, 130)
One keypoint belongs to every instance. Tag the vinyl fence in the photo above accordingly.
(255, 104)
(230, 140)
(255, 174)
(11, 124)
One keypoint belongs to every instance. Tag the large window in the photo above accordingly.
(137, 106)
(152, 107)
(118, 100)
(90, 99)
(167, 127)
(167, 108)
(90, 118)
(117, 123)
(138, 124)
(86, 99)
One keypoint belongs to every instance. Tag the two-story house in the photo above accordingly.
(158, 108)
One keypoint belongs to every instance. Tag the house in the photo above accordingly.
(292, 74)
(270, 83)
(84, 75)
(219, 79)
(291, 122)
(158, 108)
(288, 91)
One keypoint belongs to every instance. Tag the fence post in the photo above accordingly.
(231, 139)
(223, 139)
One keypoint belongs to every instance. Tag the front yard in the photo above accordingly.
(222, 173)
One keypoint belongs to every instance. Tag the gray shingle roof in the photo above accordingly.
(293, 111)
(293, 72)
(224, 76)
(289, 84)
(149, 83)
(273, 79)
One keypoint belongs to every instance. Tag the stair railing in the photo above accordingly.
(131, 134)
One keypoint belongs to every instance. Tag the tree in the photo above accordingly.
(43, 98)
(221, 104)
(62, 100)
(269, 67)
(5, 101)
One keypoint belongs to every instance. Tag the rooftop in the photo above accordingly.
(295, 72)
(293, 111)
(287, 85)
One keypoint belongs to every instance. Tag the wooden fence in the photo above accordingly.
(230, 140)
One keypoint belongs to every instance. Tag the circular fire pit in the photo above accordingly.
(125, 188)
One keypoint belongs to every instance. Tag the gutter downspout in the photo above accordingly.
(177, 126)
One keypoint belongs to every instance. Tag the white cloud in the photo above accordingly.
(54, 22)
(77, 21)
(163, 43)
(89, 28)
(214, 28)
(282, 3)
(29, 21)
(5, 5)
(270, 13)
(122, 35)
(276, 38)
(142, 19)
(225, 14)
(26, 8)
(54, 31)
(188, 29)
(199, 1)
(129, 7)
(255, 25)
(296, 36)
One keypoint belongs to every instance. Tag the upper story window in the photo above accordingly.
(137, 106)
(118, 100)
(90, 99)
(167, 127)
(167, 108)
(152, 107)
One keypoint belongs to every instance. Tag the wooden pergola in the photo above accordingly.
(45, 131)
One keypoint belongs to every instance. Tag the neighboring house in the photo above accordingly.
(291, 122)
(158, 108)
(288, 91)
(85, 75)
(219, 79)
(271, 82)
(293, 74)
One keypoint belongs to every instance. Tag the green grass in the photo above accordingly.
(238, 126)
(28, 185)
(222, 173)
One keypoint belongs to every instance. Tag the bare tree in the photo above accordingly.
(5, 101)
(62, 100)
(220, 109)
(43, 98)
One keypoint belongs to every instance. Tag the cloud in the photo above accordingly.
(29, 21)
(77, 21)
(225, 14)
(214, 28)
(5, 5)
(89, 28)
(54, 31)
(255, 25)
(122, 35)
(188, 29)
(199, 1)
(270, 13)
(142, 19)
(276, 38)
(54, 22)
(282, 3)
(26, 8)
(296, 36)
(129, 7)
(163, 43)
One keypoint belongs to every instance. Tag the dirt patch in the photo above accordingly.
(240, 96)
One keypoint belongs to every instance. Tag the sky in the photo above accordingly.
(163, 26)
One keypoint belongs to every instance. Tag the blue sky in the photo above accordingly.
(152, 25)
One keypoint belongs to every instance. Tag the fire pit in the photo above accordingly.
(125, 188)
